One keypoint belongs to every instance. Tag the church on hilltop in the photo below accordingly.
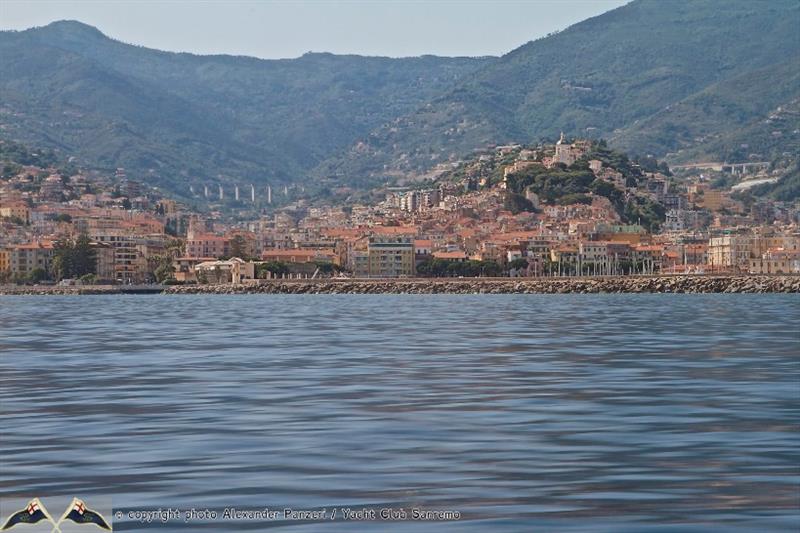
(569, 153)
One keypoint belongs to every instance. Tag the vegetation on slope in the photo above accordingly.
(597, 77)
(180, 119)
(567, 185)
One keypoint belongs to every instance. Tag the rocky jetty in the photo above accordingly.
(650, 284)
(54, 290)
(73, 290)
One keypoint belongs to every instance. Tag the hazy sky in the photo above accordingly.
(277, 29)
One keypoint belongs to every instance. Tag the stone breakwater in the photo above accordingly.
(50, 290)
(79, 290)
(656, 284)
(660, 284)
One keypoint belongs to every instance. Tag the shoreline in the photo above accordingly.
(705, 284)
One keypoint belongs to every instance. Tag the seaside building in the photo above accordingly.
(299, 255)
(776, 261)
(25, 258)
(5, 260)
(234, 270)
(729, 252)
(391, 256)
(205, 245)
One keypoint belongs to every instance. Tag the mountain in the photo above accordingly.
(177, 119)
(613, 76)
(726, 121)
(653, 77)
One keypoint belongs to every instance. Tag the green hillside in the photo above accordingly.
(681, 78)
(727, 121)
(177, 119)
(598, 78)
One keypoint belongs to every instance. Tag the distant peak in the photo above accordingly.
(73, 27)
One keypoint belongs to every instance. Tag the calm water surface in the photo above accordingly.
(523, 413)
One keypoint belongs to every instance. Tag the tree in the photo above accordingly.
(73, 259)
(326, 267)
(609, 190)
(575, 198)
(516, 203)
(277, 268)
(518, 263)
(37, 274)
(239, 247)
(85, 257)
(164, 272)
(438, 268)
(490, 268)
(59, 265)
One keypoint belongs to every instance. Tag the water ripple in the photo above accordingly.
(567, 412)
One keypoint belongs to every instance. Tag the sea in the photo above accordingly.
(301, 413)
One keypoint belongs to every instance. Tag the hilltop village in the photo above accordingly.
(573, 208)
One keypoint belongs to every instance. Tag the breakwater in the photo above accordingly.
(73, 290)
(645, 284)
(650, 284)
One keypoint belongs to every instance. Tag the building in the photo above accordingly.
(52, 189)
(683, 219)
(185, 267)
(25, 258)
(16, 210)
(5, 260)
(205, 245)
(563, 152)
(776, 261)
(391, 256)
(105, 255)
(359, 262)
(569, 153)
(458, 256)
(234, 270)
(758, 252)
(593, 252)
(729, 252)
(410, 201)
(423, 246)
(300, 255)
(125, 254)
(430, 198)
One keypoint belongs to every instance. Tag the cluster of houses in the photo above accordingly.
(134, 232)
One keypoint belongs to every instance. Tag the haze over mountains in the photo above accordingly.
(191, 118)
(653, 77)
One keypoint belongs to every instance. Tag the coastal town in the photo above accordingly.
(565, 209)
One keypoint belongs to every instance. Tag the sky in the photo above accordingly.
(273, 29)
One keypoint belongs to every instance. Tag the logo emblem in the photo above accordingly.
(76, 512)
(80, 514)
(34, 513)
